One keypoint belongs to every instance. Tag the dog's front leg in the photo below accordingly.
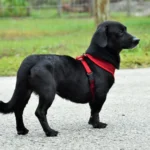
(96, 106)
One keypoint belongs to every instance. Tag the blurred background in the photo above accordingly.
(70, 8)
(66, 27)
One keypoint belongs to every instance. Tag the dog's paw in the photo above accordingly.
(96, 124)
(99, 125)
(51, 133)
(23, 131)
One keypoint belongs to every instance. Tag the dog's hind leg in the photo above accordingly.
(41, 112)
(44, 85)
(17, 103)
(18, 110)
(96, 106)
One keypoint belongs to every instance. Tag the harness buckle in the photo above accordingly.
(81, 57)
(90, 76)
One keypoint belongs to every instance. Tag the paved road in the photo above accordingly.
(127, 112)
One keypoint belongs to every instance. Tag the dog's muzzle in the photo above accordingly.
(136, 41)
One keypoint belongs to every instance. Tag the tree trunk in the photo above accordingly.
(101, 10)
(59, 7)
(128, 7)
(92, 7)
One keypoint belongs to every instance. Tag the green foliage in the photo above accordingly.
(22, 37)
(14, 8)
(9, 65)
(43, 2)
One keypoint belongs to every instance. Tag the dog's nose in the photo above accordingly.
(136, 40)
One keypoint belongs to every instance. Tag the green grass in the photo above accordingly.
(22, 37)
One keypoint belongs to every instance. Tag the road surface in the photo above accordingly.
(126, 111)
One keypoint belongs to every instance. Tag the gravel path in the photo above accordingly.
(126, 110)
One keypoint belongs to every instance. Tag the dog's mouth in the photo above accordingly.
(135, 42)
(132, 43)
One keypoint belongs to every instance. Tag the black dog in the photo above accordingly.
(47, 75)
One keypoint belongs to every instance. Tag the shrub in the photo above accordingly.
(14, 8)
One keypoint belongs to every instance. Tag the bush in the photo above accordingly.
(14, 8)
(36, 3)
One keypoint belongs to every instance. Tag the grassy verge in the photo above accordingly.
(22, 37)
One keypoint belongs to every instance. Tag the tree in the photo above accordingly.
(129, 7)
(101, 10)
(59, 6)
(15, 8)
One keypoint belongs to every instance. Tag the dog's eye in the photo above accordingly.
(121, 32)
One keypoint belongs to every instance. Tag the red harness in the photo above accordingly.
(99, 62)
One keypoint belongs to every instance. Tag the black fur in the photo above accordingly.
(47, 75)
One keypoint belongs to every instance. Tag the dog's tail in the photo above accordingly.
(22, 91)
(20, 96)
(9, 107)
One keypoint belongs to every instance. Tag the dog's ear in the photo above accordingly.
(101, 36)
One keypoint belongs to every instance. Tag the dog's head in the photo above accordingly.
(114, 35)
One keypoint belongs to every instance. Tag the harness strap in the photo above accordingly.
(89, 74)
(99, 62)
